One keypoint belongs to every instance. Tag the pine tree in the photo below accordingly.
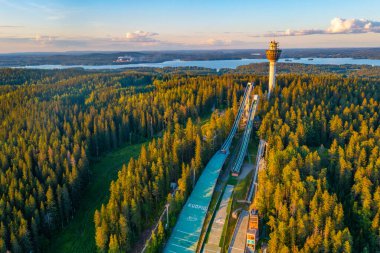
(160, 234)
(198, 153)
(125, 235)
(16, 248)
(114, 245)
(51, 209)
(101, 237)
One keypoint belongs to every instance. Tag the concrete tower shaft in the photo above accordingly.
(273, 54)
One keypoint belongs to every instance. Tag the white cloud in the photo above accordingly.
(340, 25)
(337, 26)
(141, 36)
(42, 38)
(42, 42)
(221, 43)
(218, 42)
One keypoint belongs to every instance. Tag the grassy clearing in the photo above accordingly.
(241, 189)
(232, 180)
(252, 148)
(79, 234)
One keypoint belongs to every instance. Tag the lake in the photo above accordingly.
(214, 64)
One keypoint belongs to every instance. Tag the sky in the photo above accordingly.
(125, 25)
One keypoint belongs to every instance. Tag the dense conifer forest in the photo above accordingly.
(319, 193)
(320, 190)
(51, 129)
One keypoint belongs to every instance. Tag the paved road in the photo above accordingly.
(237, 244)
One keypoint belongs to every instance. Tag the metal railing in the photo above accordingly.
(246, 136)
(226, 145)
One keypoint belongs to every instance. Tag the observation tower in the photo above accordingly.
(273, 54)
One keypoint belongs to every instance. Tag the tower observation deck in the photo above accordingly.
(273, 54)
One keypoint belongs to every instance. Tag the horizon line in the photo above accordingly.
(179, 50)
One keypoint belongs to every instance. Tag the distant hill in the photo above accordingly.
(105, 58)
